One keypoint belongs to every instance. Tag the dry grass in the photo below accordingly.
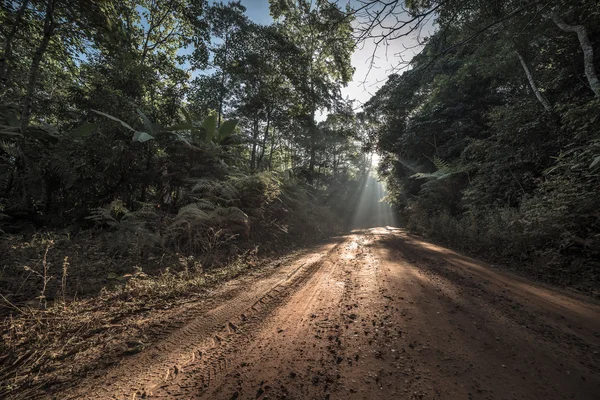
(43, 349)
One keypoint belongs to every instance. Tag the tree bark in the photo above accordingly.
(311, 163)
(335, 162)
(541, 98)
(264, 142)
(49, 27)
(4, 68)
(222, 88)
(254, 139)
(586, 47)
(271, 150)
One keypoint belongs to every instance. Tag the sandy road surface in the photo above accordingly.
(376, 314)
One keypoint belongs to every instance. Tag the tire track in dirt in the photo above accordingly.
(297, 348)
(469, 337)
(204, 337)
(206, 371)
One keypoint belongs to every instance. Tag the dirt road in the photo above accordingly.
(377, 314)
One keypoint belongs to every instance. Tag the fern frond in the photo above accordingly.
(443, 170)
(441, 165)
(110, 214)
(205, 204)
(231, 215)
(10, 148)
(61, 170)
(218, 190)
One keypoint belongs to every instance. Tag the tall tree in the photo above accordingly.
(227, 24)
(323, 33)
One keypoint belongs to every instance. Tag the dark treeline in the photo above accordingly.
(491, 137)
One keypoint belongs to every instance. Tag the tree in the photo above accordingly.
(93, 19)
(227, 23)
(586, 47)
(15, 24)
(324, 36)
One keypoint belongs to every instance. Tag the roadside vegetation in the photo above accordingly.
(491, 135)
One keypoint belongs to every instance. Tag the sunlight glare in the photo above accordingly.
(372, 211)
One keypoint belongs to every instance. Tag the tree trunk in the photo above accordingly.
(4, 68)
(264, 142)
(222, 94)
(335, 161)
(541, 98)
(271, 150)
(313, 151)
(586, 47)
(49, 27)
(254, 139)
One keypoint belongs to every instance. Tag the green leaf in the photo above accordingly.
(595, 163)
(186, 114)
(125, 124)
(181, 127)
(141, 137)
(210, 126)
(150, 126)
(50, 129)
(41, 134)
(227, 129)
(83, 130)
(10, 132)
(10, 116)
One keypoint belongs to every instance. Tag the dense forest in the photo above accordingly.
(154, 147)
(490, 139)
(174, 126)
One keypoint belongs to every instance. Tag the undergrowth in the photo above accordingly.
(38, 344)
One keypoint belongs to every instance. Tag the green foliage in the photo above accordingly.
(104, 127)
(472, 158)
(443, 170)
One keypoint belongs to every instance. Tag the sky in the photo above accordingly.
(364, 83)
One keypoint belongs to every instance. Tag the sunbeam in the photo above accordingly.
(372, 211)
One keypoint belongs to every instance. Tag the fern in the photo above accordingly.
(109, 215)
(442, 165)
(443, 170)
(226, 215)
(205, 204)
(6, 179)
(189, 229)
(215, 190)
(188, 215)
(62, 171)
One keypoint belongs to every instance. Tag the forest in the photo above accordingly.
(490, 140)
(152, 149)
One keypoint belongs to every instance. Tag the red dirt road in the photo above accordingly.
(376, 314)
